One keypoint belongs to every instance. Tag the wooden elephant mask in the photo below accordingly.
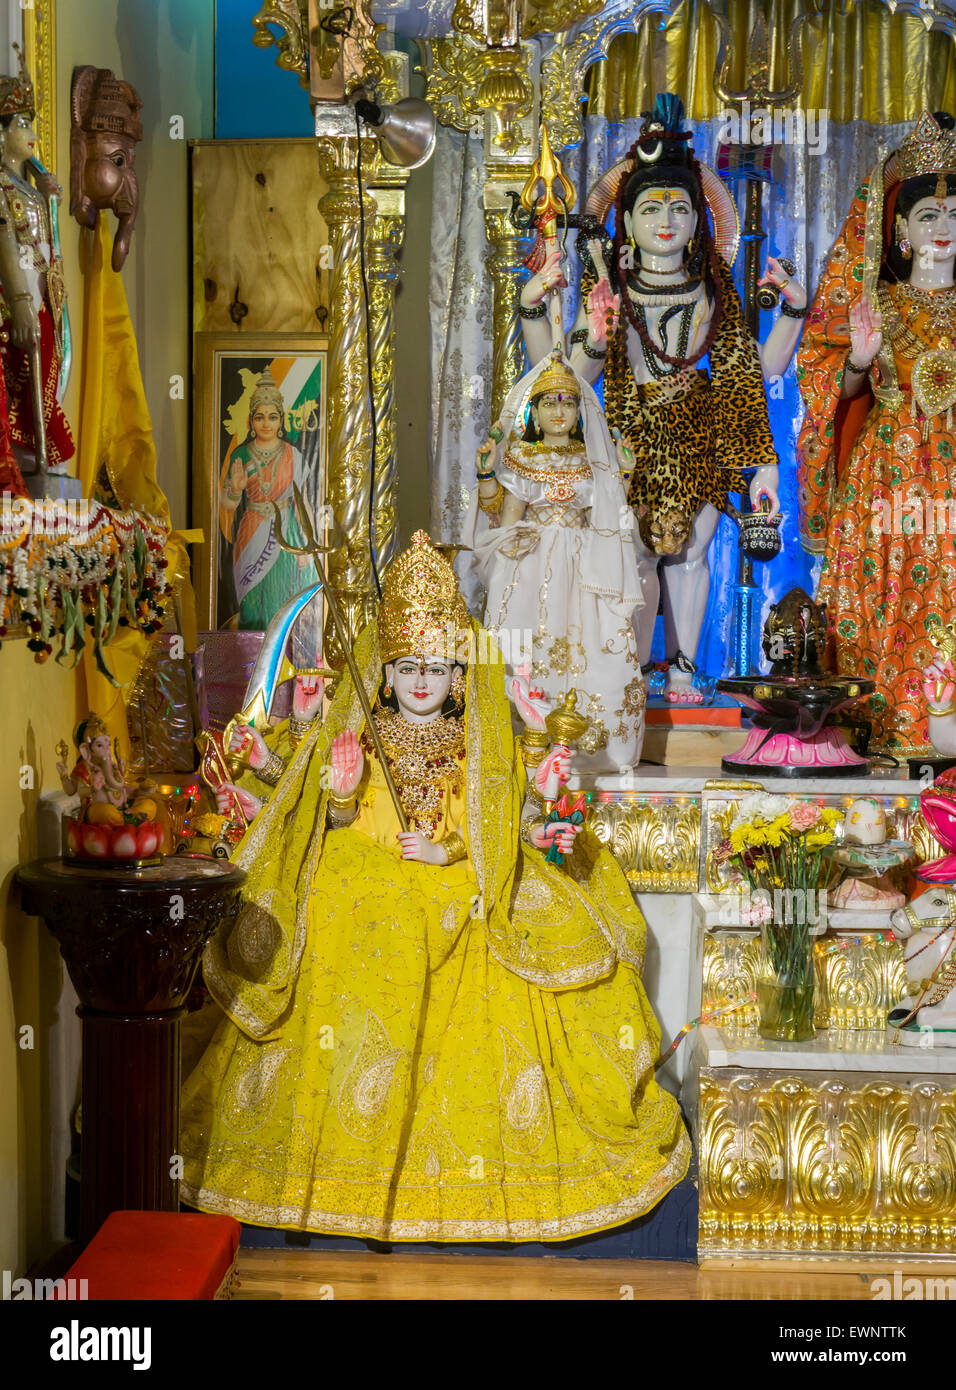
(105, 129)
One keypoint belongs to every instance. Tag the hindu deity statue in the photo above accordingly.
(262, 469)
(877, 368)
(410, 982)
(32, 288)
(557, 560)
(692, 432)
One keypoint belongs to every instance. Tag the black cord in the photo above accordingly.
(368, 357)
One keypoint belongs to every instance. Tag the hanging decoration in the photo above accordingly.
(66, 569)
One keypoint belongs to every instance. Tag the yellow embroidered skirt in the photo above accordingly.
(417, 1090)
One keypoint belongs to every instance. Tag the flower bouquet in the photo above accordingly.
(776, 848)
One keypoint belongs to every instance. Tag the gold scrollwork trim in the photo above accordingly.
(826, 1165)
(39, 51)
(856, 984)
(657, 844)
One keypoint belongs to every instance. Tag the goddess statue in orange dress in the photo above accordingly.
(877, 369)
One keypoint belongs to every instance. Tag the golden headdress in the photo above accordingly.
(422, 611)
(557, 377)
(267, 393)
(928, 149)
(17, 96)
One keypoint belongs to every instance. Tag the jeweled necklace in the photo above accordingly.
(424, 760)
(939, 306)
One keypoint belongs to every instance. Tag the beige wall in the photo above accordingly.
(164, 47)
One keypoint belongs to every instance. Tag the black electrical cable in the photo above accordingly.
(368, 356)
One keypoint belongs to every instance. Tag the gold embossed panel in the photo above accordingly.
(811, 1165)
(856, 985)
(656, 842)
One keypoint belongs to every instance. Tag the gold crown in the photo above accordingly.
(928, 149)
(89, 728)
(557, 377)
(422, 611)
(17, 96)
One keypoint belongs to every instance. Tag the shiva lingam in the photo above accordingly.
(866, 854)
(795, 731)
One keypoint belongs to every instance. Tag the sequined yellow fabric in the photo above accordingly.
(422, 1053)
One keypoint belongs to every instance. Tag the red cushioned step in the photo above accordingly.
(159, 1255)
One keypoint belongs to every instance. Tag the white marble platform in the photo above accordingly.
(678, 781)
(834, 1051)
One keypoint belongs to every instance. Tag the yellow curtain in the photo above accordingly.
(865, 65)
(116, 439)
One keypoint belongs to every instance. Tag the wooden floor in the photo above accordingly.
(306, 1274)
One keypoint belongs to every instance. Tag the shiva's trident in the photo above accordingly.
(313, 549)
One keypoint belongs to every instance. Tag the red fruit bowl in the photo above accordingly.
(112, 846)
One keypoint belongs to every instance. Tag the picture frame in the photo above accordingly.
(241, 464)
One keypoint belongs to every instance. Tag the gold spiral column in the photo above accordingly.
(349, 567)
(383, 268)
(507, 275)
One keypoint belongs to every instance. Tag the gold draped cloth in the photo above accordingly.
(420, 1053)
(860, 63)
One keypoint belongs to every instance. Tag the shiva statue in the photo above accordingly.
(692, 431)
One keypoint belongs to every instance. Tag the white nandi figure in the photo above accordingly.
(929, 923)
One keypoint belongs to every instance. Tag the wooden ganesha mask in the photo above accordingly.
(105, 129)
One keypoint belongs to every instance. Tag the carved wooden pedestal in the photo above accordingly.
(131, 941)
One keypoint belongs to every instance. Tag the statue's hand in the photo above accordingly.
(764, 484)
(24, 324)
(553, 772)
(549, 277)
(307, 697)
(866, 332)
(603, 310)
(246, 738)
(529, 700)
(790, 289)
(228, 792)
(561, 832)
(348, 764)
(419, 847)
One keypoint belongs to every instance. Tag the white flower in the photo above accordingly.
(760, 808)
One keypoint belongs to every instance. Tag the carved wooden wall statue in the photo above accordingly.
(104, 131)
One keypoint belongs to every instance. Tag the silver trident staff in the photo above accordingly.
(314, 549)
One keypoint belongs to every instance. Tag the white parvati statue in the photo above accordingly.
(552, 538)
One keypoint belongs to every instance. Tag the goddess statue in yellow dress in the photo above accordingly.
(432, 1033)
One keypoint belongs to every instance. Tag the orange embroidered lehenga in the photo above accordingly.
(877, 481)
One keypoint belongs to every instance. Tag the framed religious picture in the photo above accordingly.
(260, 428)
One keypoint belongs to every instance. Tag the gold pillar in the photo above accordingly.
(507, 276)
(349, 567)
(384, 270)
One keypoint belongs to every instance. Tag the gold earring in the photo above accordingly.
(387, 691)
(902, 240)
(458, 686)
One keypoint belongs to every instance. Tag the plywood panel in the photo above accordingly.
(257, 229)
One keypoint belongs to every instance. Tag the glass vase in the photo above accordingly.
(785, 983)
